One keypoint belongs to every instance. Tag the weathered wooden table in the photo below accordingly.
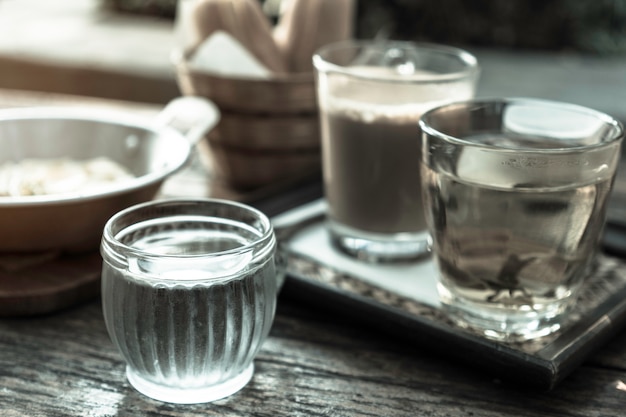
(314, 363)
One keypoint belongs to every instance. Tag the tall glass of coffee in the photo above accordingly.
(371, 96)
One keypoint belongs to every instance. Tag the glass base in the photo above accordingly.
(380, 248)
(186, 395)
(501, 324)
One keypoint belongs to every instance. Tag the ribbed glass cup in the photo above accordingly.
(189, 295)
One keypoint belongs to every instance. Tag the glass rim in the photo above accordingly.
(427, 129)
(113, 246)
(322, 64)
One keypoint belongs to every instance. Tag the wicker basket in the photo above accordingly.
(269, 130)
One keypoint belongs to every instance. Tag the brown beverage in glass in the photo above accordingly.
(371, 96)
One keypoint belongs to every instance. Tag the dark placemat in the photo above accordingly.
(39, 283)
(599, 314)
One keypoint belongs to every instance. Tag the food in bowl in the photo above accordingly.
(43, 176)
(151, 148)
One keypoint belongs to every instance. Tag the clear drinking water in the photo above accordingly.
(517, 206)
(189, 294)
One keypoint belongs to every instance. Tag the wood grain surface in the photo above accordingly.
(313, 364)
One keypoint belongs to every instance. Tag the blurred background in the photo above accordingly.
(569, 50)
(596, 26)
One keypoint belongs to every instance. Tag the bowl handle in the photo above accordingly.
(193, 116)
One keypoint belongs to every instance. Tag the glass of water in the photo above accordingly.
(189, 294)
(516, 192)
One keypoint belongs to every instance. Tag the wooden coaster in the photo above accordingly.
(32, 284)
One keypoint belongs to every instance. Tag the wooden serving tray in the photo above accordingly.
(33, 284)
(402, 299)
